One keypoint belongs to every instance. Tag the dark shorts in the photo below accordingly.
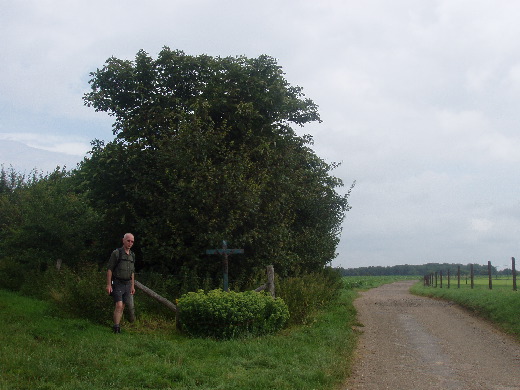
(121, 291)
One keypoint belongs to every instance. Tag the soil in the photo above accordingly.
(416, 343)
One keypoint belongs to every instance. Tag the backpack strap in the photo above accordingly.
(119, 255)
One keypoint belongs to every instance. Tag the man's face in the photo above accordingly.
(128, 241)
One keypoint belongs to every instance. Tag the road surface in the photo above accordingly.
(415, 343)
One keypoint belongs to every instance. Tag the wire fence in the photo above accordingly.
(446, 279)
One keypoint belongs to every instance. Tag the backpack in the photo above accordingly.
(119, 257)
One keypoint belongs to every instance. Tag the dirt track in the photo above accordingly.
(416, 343)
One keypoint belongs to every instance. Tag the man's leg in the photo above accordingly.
(118, 313)
(118, 293)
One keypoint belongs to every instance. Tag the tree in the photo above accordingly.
(204, 151)
(43, 219)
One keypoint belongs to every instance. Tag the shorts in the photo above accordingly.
(121, 291)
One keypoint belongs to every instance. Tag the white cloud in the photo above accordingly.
(481, 225)
(72, 145)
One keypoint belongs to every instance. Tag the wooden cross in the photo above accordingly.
(225, 252)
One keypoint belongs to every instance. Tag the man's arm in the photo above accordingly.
(132, 289)
(111, 265)
(109, 281)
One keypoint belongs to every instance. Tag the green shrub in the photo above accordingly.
(80, 293)
(225, 315)
(11, 274)
(305, 295)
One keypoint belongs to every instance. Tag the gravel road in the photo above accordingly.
(417, 343)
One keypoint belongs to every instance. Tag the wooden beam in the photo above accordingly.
(155, 296)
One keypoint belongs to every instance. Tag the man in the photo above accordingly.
(120, 278)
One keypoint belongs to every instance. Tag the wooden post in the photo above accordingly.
(58, 264)
(448, 278)
(436, 279)
(514, 272)
(490, 276)
(472, 275)
(225, 268)
(458, 276)
(440, 275)
(131, 309)
(269, 286)
(270, 280)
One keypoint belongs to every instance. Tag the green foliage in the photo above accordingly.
(205, 152)
(11, 277)
(45, 220)
(225, 315)
(80, 294)
(307, 294)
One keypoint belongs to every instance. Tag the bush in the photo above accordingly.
(225, 315)
(305, 295)
(11, 275)
(80, 293)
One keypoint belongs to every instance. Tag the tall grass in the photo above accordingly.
(500, 305)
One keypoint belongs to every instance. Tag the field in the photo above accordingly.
(501, 305)
(41, 351)
(480, 282)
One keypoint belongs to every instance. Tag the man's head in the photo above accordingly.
(128, 240)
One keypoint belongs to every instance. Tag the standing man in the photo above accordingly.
(120, 278)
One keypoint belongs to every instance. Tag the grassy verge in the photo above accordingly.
(501, 305)
(39, 351)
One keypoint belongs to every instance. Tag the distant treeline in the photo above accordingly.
(421, 270)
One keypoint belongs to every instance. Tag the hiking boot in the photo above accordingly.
(116, 328)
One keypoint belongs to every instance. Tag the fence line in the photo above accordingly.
(435, 279)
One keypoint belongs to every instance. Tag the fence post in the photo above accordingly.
(440, 275)
(472, 275)
(436, 279)
(514, 272)
(490, 276)
(458, 276)
(270, 280)
(448, 278)
(58, 264)
(131, 309)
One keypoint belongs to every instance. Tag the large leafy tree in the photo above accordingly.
(204, 151)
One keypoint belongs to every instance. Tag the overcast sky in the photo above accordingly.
(419, 102)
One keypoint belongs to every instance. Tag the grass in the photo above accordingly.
(501, 305)
(479, 282)
(40, 351)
